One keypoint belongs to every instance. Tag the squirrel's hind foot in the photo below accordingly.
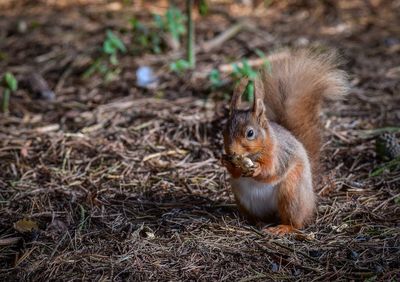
(281, 230)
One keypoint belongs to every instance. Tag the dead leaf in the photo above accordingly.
(25, 149)
(25, 225)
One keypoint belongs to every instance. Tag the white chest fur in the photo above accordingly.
(259, 198)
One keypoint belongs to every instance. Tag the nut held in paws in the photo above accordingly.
(247, 162)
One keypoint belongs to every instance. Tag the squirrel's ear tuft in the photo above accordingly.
(237, 94)
(258, 102)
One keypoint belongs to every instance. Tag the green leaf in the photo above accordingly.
(260, 53)
(245, 70)
(248, 71)
(245, 66)
(378, 171)
(215, 78)
(10, 81)
(203, 7)
(134, 22)
(236, 71)
(179, 66)
(249, 91)
(109, 48)
(115, 41)
(175, 22)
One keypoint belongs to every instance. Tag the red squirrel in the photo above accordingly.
(272, 148)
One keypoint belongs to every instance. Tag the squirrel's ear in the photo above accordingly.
(237, 94)
(258, 101)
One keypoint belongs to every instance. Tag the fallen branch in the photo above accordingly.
(223, 37)
(228, 68)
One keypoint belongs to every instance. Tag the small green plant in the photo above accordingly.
(149, 37)
(249, 90)
(176, 27)
(10, 85)
(244, 70)
(215, 79)
(179, 66)
(112, 45)
(203, 7)
(107, 63)
(145, 37)
(239, 71)
(173, 22)
(266, 62)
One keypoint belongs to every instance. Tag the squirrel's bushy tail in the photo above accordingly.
(295, 88)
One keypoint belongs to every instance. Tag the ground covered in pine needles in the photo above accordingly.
(110, 181)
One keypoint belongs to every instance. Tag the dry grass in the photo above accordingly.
(127, 186)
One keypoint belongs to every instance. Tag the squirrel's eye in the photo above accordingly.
(250, 134)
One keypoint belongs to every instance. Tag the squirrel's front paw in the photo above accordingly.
(227, 162)
(256, 170)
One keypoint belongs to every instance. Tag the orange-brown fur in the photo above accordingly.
(285, 117)
(288, 202)
(295, 89)
(234, 171)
